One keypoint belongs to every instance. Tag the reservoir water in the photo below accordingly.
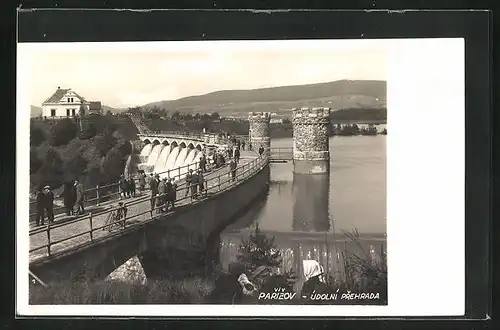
(308, 215)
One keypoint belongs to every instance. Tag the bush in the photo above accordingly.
(113, 165)
(104, 143)
(36, 136)
(74, 167)
(51, 171)
(63, 132)
(35, 162)
(89, 131)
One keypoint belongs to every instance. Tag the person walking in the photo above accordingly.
(153, 184)
(131, 185)
(142, 181)
(68, 198)
(203, 163)
(40, 207)
(201, 182)
(188, 182)
(174, 193)
(195, 180)
(123, 186)
(261, 150)
(79, 198)
(237, 155)
(168, 193)
(161, 198)
(48, 202)
(243, 145)
(232, 168)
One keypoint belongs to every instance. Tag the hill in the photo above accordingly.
(35, 111)
(337, 95)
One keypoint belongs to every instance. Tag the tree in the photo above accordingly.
(259, 251)
(75, 167)
(215, 116)
(104, 143)
(89, 131)
(112, 165)
(109, 113)
(36, 136)
(63, 131)
(51, 172)
(176, 116)
(82, 111)
(35, 162)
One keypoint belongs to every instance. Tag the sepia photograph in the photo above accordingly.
(208, 173)
(210, 176)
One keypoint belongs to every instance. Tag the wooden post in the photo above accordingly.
(48, 239)
(97, 193)
(119, 190)
(91, 227)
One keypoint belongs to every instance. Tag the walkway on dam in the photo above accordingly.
(73, 233)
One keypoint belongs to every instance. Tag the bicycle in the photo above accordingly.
(116, 218)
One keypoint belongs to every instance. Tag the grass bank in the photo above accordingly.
(187, 291)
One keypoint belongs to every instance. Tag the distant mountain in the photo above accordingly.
(336, 95)
(35, 111)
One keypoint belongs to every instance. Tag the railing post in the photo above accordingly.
(91, 227)
(219, 181)
(179, 169)
(97, 193)
(48, 239)
(119, 191)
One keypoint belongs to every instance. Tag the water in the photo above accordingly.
(145, 152)
(155, 153)
(160, 159)
(160, 165)
(308, 215)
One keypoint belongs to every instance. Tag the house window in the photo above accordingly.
(73, 112)
(67, 112)
(52, 112)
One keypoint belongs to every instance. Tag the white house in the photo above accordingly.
(64, 103)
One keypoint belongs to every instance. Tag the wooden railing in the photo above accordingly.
(214, 185)
(115, 189)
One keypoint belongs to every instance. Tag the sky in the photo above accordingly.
(130, 74)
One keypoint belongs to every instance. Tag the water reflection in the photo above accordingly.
(310, 202)
(309, 214)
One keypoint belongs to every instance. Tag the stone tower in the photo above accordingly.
(311, 154)
(259, 129)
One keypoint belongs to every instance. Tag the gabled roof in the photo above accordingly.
(94, 105)
(59, 94)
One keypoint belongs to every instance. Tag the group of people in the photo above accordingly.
(195, 181)
(72, 198)
(127, 186)
(163, 193)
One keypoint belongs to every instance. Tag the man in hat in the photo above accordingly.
(168, 194)
(123, 186)
(153, 184)
(48, 203)
(232, 168)
(161, 192)
(40, 207)
(201, 182)
(189, 176)
(174, 193)
(195, 180)
(79, 197)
